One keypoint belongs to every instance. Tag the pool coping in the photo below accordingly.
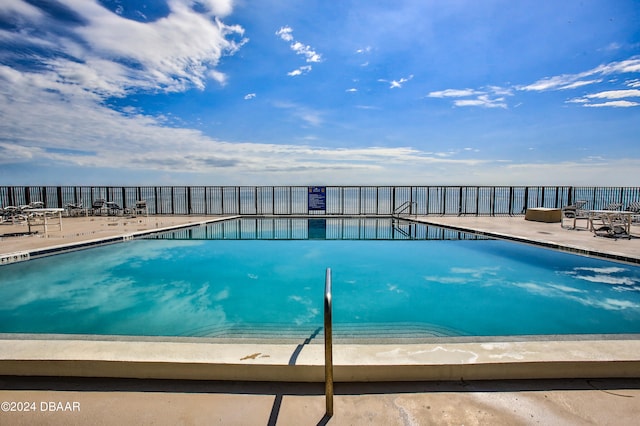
(442, 359)
(546, 244)
(24, 255)
(497, 360)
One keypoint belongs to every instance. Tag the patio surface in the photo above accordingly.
(497, 402)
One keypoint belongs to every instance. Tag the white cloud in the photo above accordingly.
(482, 101)
(618, 97)
(495, 96)
(562, 82)
(577, 101)
(111, 56)
(306, 51)
(310, 55)
(616, 104)
(219, 8)
(476, 98)
(570, 81)
(47, 129)
(305, 69)
(616, 94)
(453, 93)
(396, 84)
(285, 33)
(21, 8)
(579, 83)
(620, 67)
(249, 96)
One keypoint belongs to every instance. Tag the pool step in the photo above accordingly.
(341, 332)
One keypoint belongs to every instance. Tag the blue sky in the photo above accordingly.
(362, 92)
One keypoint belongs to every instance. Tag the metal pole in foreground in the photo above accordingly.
(328, 346)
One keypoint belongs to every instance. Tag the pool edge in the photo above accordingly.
(296, 363)
(602, 254)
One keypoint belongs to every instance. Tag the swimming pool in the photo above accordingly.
(264, 278)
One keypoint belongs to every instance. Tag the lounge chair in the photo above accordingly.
(76, 209)
(613, 206)
(573, 213)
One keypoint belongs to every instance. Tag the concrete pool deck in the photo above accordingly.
(550, 235)
(450, 391)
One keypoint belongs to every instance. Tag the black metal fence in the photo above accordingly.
(340, 200)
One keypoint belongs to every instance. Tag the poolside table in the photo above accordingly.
(44, 213)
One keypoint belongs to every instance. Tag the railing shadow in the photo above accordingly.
(277, 403)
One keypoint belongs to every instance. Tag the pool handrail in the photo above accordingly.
(328, 345)
(401, 209)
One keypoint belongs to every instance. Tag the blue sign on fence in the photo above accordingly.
(317, 198)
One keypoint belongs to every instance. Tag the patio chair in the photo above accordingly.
(573, 213)
(10, 213)
(99, 207)
(113, 208)
(609, 225)
(141, 208)
(634, 208)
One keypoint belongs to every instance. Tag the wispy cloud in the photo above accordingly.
(617, 99)
(616, 104)
(616, 94)
(396, 84)
(571, 81)
(490, 97)
(310, 55)
(301, 113)
(249, 96)
(482, 101)
(496, 97)
(453, 93)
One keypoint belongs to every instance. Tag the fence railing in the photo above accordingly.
(340, 200)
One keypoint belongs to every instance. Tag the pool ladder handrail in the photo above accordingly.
(328, 345)
(402, 208)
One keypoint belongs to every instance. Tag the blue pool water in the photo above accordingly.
(233, 280)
